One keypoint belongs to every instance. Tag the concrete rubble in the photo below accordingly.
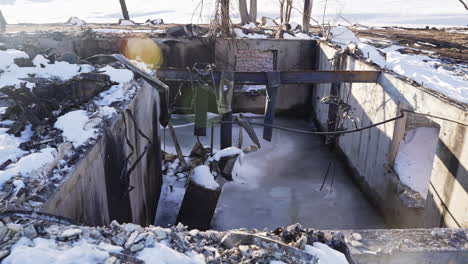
(123, 243)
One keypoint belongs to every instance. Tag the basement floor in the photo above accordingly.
(279, 185)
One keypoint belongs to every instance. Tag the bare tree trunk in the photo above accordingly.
(124, 9)
(289, 7)
(282, 10)
(307, 13)
(253, 11)
(243, 12)
(464, 4)
(2, 19)
(225, 17)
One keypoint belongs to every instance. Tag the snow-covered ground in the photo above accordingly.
(415, 13)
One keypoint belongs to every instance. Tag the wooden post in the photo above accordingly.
(226, 131)
(198, 207)
(124, 10)
(307, 14)
(201, 110)
(274, 82)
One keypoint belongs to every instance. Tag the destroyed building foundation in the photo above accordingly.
(90, 195)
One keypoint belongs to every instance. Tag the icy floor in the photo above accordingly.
(280, 184)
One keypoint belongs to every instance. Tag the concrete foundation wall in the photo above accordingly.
(370, 153)
(94, 192)
(290, 55)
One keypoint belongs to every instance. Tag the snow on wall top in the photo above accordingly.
(423, 69)
(78, 127)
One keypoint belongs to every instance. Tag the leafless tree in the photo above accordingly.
(2, 19)
(307, 14)
(246, 16)
(285, 10)
(225, 18)
(124, 10)
(464, 4)
(253, 10)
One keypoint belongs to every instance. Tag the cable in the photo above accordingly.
(438, 117)
(320, 133)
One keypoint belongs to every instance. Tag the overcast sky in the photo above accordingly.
(436, 12)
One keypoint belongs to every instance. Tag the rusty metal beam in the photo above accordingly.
(287, 77)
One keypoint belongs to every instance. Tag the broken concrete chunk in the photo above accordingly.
(137, 247)
(71, 233)
(131, 240)
(30, 232)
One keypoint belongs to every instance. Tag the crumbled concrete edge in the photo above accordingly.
(396, 242)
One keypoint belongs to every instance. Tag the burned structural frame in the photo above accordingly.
(273, 80)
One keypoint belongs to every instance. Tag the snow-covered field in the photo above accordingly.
(416, 13)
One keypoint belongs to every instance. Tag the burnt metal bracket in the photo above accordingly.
(274, 82)
(261, 78)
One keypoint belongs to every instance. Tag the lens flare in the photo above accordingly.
(143, 50)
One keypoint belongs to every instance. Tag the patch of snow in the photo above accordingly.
(19, 184)
(29, 164)
(252, 88)
(162, 254)
(157, 21)
(415, 157)
(13, 74)
(227, 152)
(75, 21)
(142, 66)
(124, 22)
(427, 72)
(294, 25)
(240, 34)
(47, 251)
(372, 54)
(116, 92)
(8, 57)
(115, 30)
(76, 128)
(106, 111)
(9, 144)
(325, 254)
(203, 177)
(110, 248)
(250, 25)
(3, 110)
(422, 69)
(343, 35)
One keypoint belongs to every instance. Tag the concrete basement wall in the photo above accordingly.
(93, 193)
(290, 55)
(370, 153)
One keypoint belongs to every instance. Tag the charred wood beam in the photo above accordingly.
(287, 77)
